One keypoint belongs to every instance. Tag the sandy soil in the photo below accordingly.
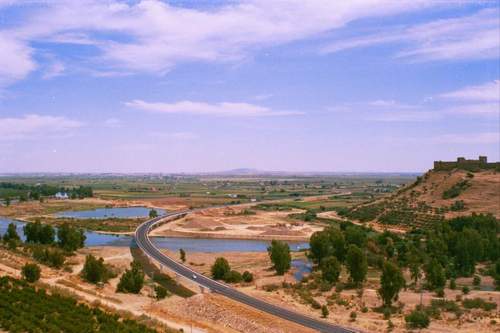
(481, 197)
(230, 222)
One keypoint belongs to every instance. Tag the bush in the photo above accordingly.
(247, 276)
(453, 284)
(353, 315)
(52, 257)
(132, 280)
(465, 290)
(476, 280)
(315, 304)
(31, 272)
(233, 277)
(160, 292)
(324, 311)
(220, 268)
(417, 319)
(478, 303)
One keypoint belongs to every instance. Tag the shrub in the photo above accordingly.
(233, 277)
(160, 292)
(315, 304)
(247, 276)
(353, 315)
(52, 257)
(453, 284)
(417, 319)
(465, 290)
(476, 280)
(31, 272)
(324, 311)
(478, 303)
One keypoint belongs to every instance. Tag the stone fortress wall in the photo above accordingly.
(470, 165)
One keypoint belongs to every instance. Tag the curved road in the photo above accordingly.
(145, 244)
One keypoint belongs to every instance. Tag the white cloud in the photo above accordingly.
(469, 37)
(153, 36)
(224, 109)
(30, 126)
(112, 123)
(15, 60)
(486, 92)
(56, 68)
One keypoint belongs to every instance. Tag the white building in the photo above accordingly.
(61, 195)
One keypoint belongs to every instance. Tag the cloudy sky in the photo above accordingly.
(171, 86)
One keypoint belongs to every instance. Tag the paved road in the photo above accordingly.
(145, 244)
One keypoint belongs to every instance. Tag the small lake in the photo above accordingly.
(102, 213)
(172, 243)
(302, 266)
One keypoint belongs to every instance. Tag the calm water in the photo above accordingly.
(172, 243)
(101, 213)
(188, 244)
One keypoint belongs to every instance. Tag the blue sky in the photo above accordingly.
(189, 86)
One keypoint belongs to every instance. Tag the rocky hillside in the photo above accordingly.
(433, 197)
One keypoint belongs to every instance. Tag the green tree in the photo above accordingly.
(220, 268)
(355, 235)
(324, 311)
(31, 272)
(38, 233)
(70, 238)
(468, 250)
(330, 269)
(320, 246)
(391, 282)
(153, 213)
(11, 234)
(7, 201)
(279, 252)
(94, 270)
(132, 280)
(415, 264)
(434, 274)
(356, 264)
(182, 255)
